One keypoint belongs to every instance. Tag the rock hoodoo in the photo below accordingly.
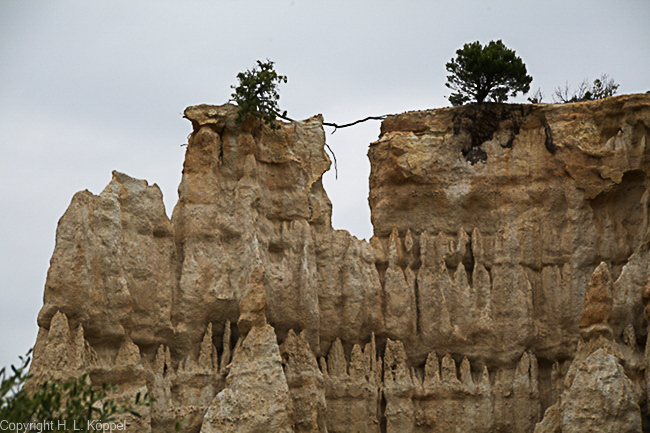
(504, 289)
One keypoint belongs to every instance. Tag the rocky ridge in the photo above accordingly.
(506, 282)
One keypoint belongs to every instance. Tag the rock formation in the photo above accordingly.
(505, 289)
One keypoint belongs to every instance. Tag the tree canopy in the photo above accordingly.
(491, 72)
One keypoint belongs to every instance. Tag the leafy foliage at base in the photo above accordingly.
(74, 404)
(257, 94)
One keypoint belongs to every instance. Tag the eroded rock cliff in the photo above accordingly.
(506, 278)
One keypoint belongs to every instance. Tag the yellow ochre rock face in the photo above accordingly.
(507, 277)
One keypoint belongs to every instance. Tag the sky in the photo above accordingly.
(91, 87)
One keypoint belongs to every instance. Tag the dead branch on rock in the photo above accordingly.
(336, 126)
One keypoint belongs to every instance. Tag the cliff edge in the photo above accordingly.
(506, 278)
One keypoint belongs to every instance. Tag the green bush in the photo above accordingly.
(257, 94)
(72, 406)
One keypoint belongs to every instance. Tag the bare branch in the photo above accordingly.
(336, 167)
(336, 126)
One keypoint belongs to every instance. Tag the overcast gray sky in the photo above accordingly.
(91, 87)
